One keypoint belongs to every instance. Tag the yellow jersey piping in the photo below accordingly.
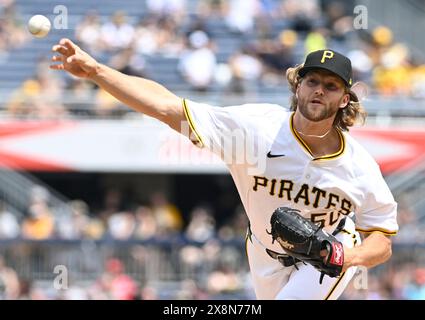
(305, 146)
(189, 119)
(386, 232)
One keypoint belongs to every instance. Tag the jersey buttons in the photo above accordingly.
(307, 176)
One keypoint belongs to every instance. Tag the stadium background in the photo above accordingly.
(135, 212)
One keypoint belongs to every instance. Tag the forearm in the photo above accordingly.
(374, 250)
(142, 95)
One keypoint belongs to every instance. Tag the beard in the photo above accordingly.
(317, 113)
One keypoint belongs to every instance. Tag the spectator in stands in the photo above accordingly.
(146, 225)
(241, 14)
(73, 225)
(223, 280)
(212, 9)
(168, 217)
(39, 96)
(88, 33)
(276, 55)
(146, 36)
(339, 20)
(201, 225)
(315, 40)
(12, 29)
(79, 96)
(174, 8)
(116, 283)
(40, 223)
(105, 105)
(170, 42)
(236, 227)
(246, 71)
(9, 282)
(128, 61)
(362, 64)
(117, 34)
(149, 293)
(300, 14)
(198, 64)
(9, 223)
(121, 225)
(392, 75)
(199, 24)
(112, 202)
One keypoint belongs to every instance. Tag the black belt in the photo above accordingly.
(287, 260)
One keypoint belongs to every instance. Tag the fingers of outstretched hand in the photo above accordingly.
(58, 58)
(57, 66)
(68, 44)
(61, 49)
(65, 47)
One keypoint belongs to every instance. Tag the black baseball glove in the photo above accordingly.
(303, 240)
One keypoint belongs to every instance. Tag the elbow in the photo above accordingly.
(169, 110)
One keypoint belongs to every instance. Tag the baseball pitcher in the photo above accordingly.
(317, 203)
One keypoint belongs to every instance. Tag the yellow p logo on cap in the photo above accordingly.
(326, 55)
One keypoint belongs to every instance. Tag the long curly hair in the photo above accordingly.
(346, 117)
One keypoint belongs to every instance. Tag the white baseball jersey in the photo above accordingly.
(272, 167)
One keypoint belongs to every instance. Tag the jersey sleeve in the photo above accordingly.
(379, 209)
(230, 131)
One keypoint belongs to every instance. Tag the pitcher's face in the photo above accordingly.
(320, 95)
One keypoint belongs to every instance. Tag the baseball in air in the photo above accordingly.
(39, 26)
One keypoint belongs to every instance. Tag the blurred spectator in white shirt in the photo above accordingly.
(199, 63)
(241, 15)
(201, 226)
(122, 225)
(117, 34)
(88, 33)
(145, 41)
(9, 225)
(246, 70)
(174, 8)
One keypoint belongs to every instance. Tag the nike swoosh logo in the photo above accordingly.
(269, 155)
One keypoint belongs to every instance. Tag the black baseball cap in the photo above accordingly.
(329, 60)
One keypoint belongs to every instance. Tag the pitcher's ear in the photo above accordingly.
(360, 89)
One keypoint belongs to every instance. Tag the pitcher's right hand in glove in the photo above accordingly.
(304, 240)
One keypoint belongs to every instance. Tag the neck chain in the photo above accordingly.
(315, 136)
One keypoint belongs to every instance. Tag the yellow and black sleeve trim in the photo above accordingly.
(305, 146)
(386, 232)
(198, 142)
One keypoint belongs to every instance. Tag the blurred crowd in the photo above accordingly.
(12, 28)
(236, 47)
(157, 219)
(206, 256)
